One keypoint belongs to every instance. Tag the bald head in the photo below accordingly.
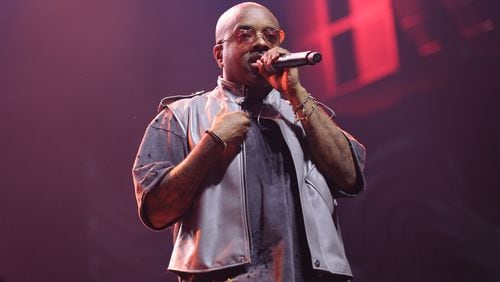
(233, 15)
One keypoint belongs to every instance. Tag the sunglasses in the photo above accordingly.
(247, 36)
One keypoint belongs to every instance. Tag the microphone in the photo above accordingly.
(293, 60)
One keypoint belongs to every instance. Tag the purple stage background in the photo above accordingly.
(80, 80)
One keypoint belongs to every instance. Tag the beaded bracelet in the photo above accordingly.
(300, 111)
(217, 138)
(314, 107)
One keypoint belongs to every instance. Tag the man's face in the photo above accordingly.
(238, 59)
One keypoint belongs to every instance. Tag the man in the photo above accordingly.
(247, 178)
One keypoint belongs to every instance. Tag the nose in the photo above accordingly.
(260, 37)
(260, 44)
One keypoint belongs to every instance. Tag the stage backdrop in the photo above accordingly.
(416, 81)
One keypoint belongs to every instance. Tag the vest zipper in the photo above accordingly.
(245, 200)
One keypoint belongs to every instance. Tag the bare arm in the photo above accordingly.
(175, 193)
(330, 149)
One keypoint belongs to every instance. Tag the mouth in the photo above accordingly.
(253, 58)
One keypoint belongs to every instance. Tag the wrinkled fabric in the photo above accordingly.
(278, 251)
(217, 248)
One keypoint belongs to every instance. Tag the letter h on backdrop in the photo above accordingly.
(358, 41)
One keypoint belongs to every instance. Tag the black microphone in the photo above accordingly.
(293, 60)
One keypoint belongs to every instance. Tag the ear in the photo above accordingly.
(217, 52)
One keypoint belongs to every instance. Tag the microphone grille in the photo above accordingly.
(314, 57)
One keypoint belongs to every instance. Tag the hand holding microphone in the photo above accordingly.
(293, 60)
(278, 66)
(298, 59)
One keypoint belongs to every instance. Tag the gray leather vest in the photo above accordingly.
(214, 233)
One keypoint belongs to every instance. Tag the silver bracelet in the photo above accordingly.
(217, 138)
(300, 111)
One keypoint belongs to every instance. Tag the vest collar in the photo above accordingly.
(236, 89)
(236, 93)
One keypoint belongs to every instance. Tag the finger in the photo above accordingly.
(266, 70)
(275, 55)
(247, 115)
